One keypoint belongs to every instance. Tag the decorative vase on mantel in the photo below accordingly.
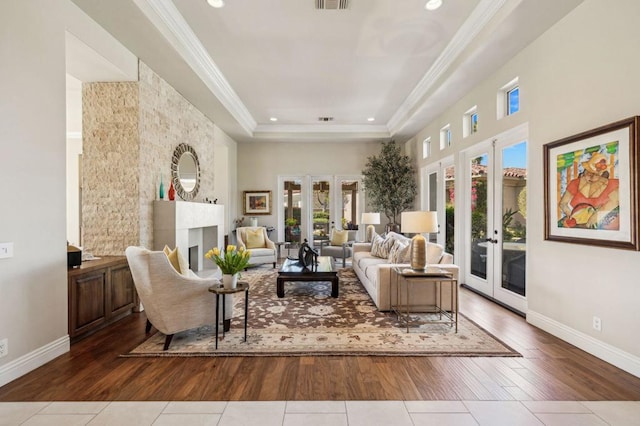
(230, 281)
(172, 192)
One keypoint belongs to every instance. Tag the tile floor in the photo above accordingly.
(333, 413)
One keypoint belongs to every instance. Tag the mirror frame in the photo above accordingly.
(181, 150)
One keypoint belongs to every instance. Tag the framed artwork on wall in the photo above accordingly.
(590, 184)
(257, 202)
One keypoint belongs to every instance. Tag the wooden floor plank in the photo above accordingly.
(549, 370)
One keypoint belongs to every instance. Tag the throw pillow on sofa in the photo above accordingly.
(380, 247)
(399, 253)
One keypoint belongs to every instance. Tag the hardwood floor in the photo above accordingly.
(549, 370)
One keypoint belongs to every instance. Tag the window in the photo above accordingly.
(445, 136)
(513, 100)
(508, 99)
(470, 122)
(426, 148)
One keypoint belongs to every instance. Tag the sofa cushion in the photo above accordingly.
(399, 253)
(381, 246)
(434, 253)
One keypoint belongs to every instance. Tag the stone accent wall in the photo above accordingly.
(130, 131)
(166, 120)
(110, 158)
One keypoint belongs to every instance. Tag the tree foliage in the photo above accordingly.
(390, 181)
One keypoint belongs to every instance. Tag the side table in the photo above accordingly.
(405, 277)
(219, 290)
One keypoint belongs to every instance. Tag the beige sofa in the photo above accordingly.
(376, 274)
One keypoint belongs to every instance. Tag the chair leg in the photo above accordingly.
(167, 341)
(147, 327)
(274, 264)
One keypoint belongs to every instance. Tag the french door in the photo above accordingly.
(438, 194)
(495, 206)
(311, 205)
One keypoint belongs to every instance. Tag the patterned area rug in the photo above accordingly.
(308, 321)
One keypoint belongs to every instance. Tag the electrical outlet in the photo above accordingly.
(6, 250)
(597, 324)
(4, 347)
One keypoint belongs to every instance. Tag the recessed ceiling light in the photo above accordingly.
(216, 3)
(371, 119)
(274, 119)
(433, 4)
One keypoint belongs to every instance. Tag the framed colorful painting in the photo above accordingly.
(591, 183)
(257, 202)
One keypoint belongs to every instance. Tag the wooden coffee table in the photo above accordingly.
(291, 270)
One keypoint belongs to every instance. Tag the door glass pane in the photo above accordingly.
(479, 205)
(349, 209)
(292, 202)
(514, 217)
(433, 201)
(321, 211)
(449, 195)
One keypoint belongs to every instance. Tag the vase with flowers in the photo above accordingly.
(231, 262)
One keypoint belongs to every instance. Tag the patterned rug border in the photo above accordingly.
(236, 348)
(220, 352)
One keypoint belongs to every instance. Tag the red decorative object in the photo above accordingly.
(172, 192)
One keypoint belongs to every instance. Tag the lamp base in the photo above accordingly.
(418, 253)
(370, 232)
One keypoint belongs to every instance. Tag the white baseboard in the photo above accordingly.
(621, 359)
(34, 359)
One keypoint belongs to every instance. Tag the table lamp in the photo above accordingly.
(419, 222)
(370, 219)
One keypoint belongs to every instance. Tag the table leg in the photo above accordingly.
(224, 313)
(217, 317)
(280, 287)
(334, 287)
(246, 312)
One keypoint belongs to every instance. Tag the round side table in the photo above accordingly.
(219, 290)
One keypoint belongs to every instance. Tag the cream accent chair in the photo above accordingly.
(266, 254)
(172, 302)
(339, 251)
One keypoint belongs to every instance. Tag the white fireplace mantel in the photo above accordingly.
(188, 225)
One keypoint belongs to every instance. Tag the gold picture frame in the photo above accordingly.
(256, 202)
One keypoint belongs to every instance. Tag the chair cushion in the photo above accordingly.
(177, 260)
(258, 252)
(255, 238)
(338, 237)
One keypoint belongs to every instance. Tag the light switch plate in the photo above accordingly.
(6, 250)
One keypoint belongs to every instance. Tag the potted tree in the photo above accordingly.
(390, 183)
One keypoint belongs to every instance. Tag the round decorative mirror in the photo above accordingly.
(185, 172)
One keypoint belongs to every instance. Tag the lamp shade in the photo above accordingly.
(370, 218)
(419, 222)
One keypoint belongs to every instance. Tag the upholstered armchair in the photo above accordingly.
(256, 241)
(339, 245)
(172, 302)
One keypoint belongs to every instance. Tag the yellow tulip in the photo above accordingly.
(241, 249)
(231, 248)
(216, 251)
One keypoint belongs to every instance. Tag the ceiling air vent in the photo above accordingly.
(325, 118)
(332, 4)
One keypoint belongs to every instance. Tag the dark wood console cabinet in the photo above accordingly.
(100, 292)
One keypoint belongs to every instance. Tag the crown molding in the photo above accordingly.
(478, 19)
(164, 15)
(321, 131)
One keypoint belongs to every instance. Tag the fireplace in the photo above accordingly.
(194, 228)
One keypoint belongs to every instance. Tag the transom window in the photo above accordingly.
(508, 99)
(470, 122)
(426, 148)
(445, 136)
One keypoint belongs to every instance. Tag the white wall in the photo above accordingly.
(226, 175)
(259, 165)
(579, 75)
(33, 284)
